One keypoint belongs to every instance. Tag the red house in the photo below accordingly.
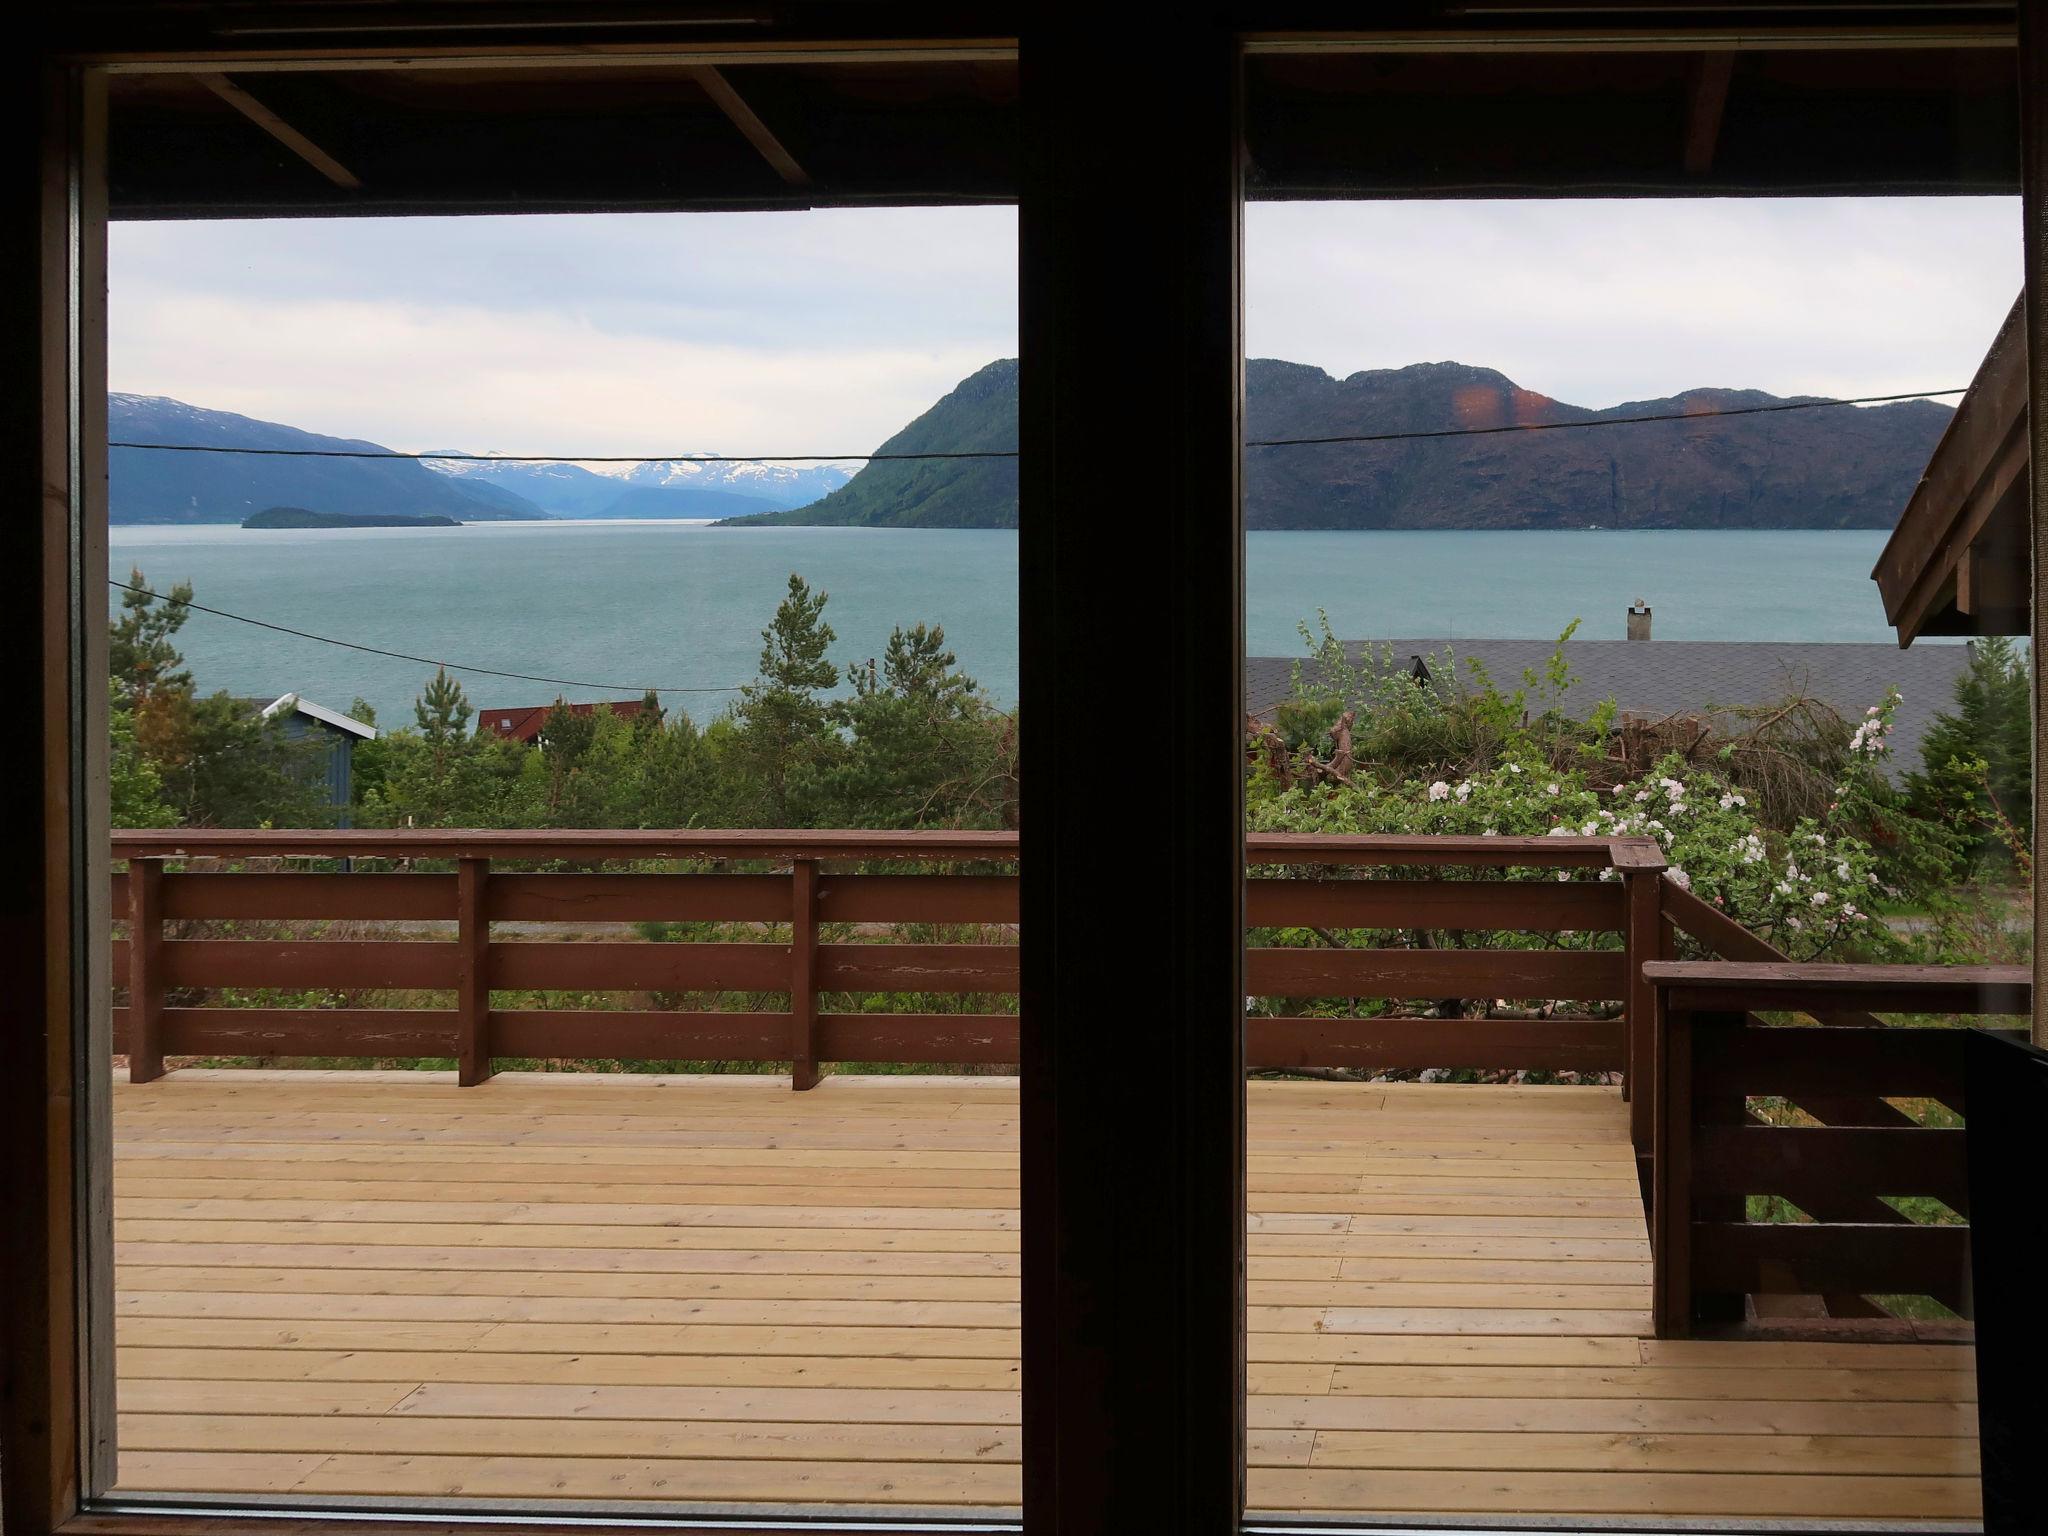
(525, 722)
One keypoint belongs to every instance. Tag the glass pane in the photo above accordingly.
(1563, 509)
(584, 719)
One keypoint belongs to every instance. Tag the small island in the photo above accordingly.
(301, 517)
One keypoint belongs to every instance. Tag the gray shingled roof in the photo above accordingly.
(1664, 677)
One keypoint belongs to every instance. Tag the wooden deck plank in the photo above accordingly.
(711, 1293)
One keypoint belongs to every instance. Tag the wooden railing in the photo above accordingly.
(1308, 882)
(1806, 1116)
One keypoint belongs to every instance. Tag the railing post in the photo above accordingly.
(472, 973)
(803, 974)
(1671, 1172)
(145, 970)
(1642, 942)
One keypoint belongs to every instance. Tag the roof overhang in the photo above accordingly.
(291, 703)
(272, 109)
(1957, 563)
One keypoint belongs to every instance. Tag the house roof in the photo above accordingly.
(296, 704)
(524, 722)
(1957, 561)
(1675, 677)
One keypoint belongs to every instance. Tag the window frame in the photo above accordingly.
(1130, 1279)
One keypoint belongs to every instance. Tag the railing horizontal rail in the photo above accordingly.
(1393, 1043)
(1834, 1161)
(780, 846)
(635, 898)
(1524, 905)
(600, 965)
(1707, 986)
(1528, 973)
(1760, 1259)
(814, 901)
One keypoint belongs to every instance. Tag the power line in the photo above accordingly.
(563, 458)
(1011, 453)
(1602, 421)
(451, 666)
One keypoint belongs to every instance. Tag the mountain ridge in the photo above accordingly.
(1840, 467)
(158, 487)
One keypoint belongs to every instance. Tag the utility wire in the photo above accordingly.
(1603, 421)
(430, 661)
(1011, 453)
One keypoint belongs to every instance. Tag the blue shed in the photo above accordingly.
(302, 718)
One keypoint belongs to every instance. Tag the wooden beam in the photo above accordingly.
(281, 131)
(2033, 82)
(744, 118)
(1133, 1344)
(1706, 100)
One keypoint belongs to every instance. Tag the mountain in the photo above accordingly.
(684, 487)
(979, 415)
(1847, 467)
(155, 487)
(148, 487)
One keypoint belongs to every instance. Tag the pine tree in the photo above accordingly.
(790, 732)
(443, 710)
(1977, 761)
(141, 659)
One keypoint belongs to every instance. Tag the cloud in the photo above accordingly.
(827, 331)
(737, 333)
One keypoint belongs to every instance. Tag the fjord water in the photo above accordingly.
(681, 606)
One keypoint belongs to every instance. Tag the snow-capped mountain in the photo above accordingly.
(680, 487)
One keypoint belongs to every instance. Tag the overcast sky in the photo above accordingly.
(826, 331)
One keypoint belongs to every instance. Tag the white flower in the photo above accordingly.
(1514, 767)
(1564, 874)
(1784, 888)
(1871, 712)
(1589, 829)
(1550, 789)
(1794, 924)
(1677, 808)
(1610, 874)
(1820, 898)
(1842, 872)
(1849, 911)
(1489, 832)
(1559, 831)
(1642, 797)
(1439, 790)
(1679, 878)
(1464, 790)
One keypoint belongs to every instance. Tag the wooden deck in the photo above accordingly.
(714, 1292)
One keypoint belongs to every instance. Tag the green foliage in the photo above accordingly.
(136, 788)
(178, 758)
(1977, 761)
(142, 659)
(1423, 716)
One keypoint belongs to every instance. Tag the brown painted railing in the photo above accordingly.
(1849, 1152)
(811, 890)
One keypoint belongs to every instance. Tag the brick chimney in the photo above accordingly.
(1639, 620)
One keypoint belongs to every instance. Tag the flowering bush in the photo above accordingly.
(1809, 889)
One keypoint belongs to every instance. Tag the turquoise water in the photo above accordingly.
(678, 606)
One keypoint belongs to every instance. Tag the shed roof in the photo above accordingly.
(1676, 677)
(1957, 562)
(300, 705)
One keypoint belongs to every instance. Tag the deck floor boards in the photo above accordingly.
(713, 1293)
